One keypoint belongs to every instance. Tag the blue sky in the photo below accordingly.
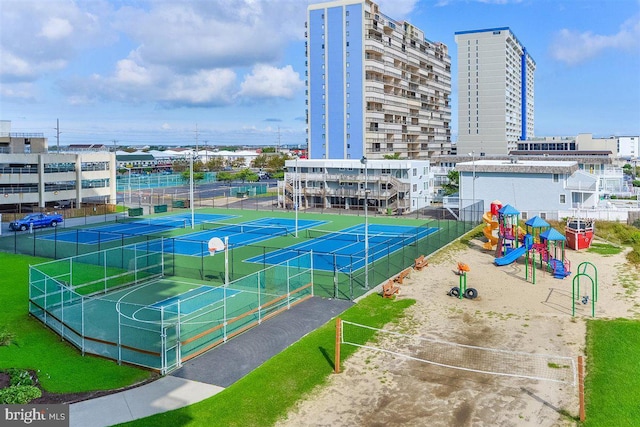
(152, 72)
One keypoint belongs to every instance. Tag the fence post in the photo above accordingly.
(336, 363)
(581, 388)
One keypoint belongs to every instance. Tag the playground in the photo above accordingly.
(509, 313)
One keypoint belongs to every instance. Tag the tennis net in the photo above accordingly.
(354, 237)
(271, 230)
(153, 222)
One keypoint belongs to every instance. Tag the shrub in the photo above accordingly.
(20, 377)
(19, 394)
(6, 337)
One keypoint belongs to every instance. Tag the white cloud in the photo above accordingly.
(266, 81)
(205, 88)
(573, 47)
(45, 36)
(186, 35)
(56, 28)
(128, 72)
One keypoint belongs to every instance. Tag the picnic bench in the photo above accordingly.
(389, 289)
(421, 262)
(401, 276)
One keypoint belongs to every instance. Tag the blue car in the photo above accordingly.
(36, 220)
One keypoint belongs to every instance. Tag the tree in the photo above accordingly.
(260, 161)
(238, 163)
(247, 175)
(225, 176)
(215, 164)
(180, 165)
(452, 186)
(394, 156)
(197, 176)
(276, 163)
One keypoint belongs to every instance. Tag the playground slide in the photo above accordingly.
(511, 256)
(488, 231)
(516, 253)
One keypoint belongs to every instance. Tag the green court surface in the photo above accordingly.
(153, 320)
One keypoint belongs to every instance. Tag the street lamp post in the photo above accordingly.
(296, 194)
(366, 224)
(191, 204)
(129, 182)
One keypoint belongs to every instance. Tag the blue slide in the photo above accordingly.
(516, 253)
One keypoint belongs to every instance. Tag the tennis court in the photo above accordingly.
(119, 304)
(345, 250)
(130, 226)
(240, 234)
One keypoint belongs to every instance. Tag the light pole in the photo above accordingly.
(191, 204)
(129, 182)
(296, 194)
(366, 224)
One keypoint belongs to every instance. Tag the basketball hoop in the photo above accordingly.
(215, 244)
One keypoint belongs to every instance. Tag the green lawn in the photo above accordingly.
(266, 394)
(612, 383)
(61, 368)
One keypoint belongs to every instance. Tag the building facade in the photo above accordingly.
(495, 91)
(31, 176)
(388, 186)
(538, 187)
(375, 86)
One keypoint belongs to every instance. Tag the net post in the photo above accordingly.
(336, 363)
(581, 387)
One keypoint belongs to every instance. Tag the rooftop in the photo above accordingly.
(519, 166)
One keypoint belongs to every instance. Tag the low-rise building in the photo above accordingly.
(537, 187)
(31, 176)
(389, 186)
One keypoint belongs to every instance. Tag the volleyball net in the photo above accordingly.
(484, 360)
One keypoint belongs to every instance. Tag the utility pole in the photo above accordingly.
(115, 146)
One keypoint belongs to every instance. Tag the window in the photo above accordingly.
(563, 199)
(415, 187)
(556, 177)
(415, 172)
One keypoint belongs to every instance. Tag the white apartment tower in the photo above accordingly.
(375, 86)
(495, 91)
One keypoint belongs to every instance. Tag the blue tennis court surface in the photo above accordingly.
(115, 231)
(241, 234)
(195, 299)
(346, 248)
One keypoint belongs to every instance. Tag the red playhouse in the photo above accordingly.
(579, 233)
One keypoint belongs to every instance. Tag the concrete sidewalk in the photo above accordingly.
(196, 380)
(162, 395)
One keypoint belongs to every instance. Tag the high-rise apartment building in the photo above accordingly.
(375, 86)
(495, 91)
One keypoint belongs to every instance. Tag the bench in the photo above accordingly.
(401, 276)
(389, 289)
(421, 262)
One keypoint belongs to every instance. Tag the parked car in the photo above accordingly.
(36, 220)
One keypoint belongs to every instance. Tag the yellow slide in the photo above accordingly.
(488, 230)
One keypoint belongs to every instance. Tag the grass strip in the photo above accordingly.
(612, 381)
(266, 394)
(60, 367)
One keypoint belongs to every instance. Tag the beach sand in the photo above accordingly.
(510, 313)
